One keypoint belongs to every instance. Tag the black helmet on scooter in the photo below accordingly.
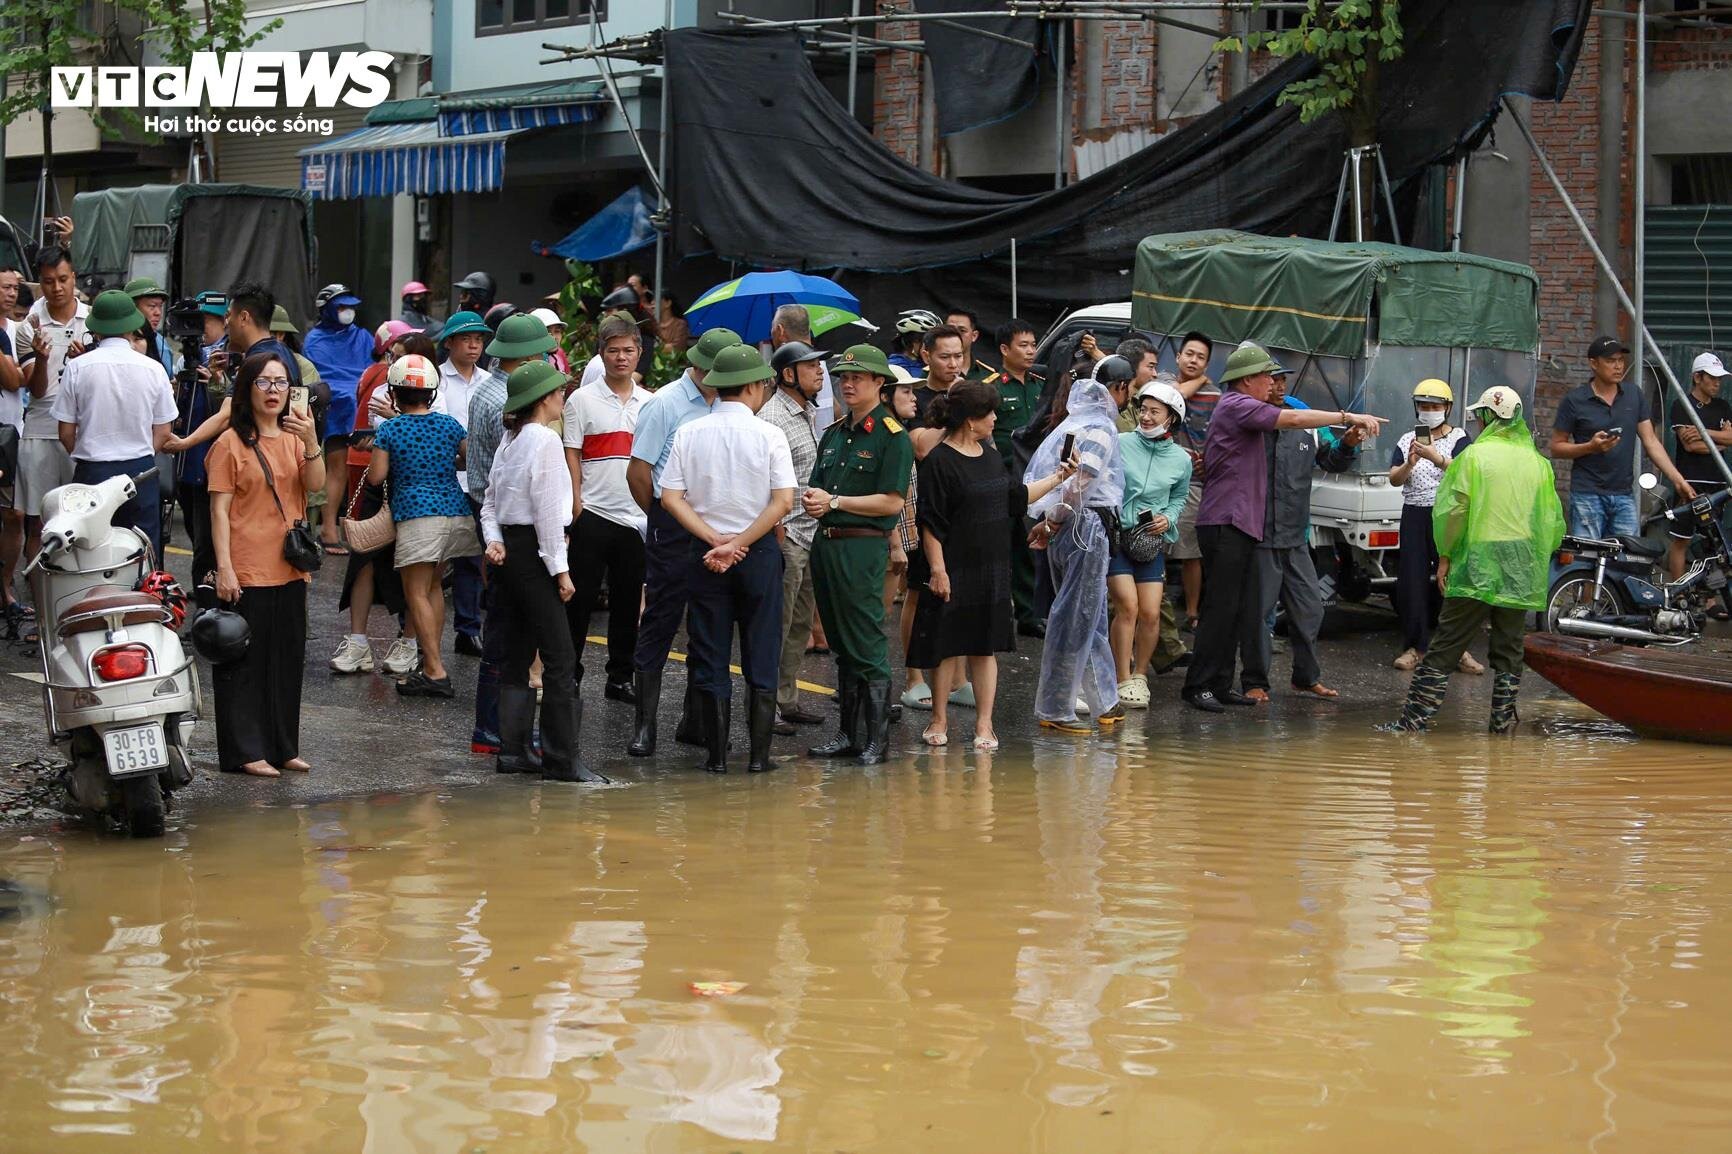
(221, 636)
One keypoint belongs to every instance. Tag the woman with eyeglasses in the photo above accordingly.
(260, 470)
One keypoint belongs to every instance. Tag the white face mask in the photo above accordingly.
(1153, 434)
(1431, 418)
(345, 316)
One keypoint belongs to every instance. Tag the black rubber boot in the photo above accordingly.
(875, 740)
(1504, 687)
(761, 720)
(1424, 698)
(713, 714)
(516, 720)
(846, 743)
(649, 699)
(690, 730)
(574, 769)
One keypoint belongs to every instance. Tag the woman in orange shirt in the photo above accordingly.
(262, 466)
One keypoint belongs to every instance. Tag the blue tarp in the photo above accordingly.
(623, 226)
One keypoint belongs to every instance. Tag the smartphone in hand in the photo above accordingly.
(1069, 444)
(1422, 434)
(300, 398)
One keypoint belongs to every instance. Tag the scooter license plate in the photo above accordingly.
(135, 750)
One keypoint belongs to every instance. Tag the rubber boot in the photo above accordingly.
(1424, 698)
(574, 769)
(875, 741)
(1503, 702)
(649, 699)
(713, 715)
(846, 743)
(516, 719)
(690, 730)
(761, 720)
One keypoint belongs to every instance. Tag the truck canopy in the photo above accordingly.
(213, 235)
(1329, 297)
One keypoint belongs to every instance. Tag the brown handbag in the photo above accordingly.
(368, 534)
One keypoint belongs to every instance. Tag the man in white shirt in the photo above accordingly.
(53, 328)
(464, 336)
(729, 481)
(12, 414)
(113, 411)
(607, 537)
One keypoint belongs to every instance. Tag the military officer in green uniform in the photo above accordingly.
(856, 493)
(1019, 389)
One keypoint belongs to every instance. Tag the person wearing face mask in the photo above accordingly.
(1418, 467)
(1157, 481)
(341, 350)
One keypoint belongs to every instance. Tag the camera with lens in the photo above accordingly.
(184, 320)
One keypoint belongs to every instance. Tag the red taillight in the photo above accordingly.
(1385, 538)
(122, 663)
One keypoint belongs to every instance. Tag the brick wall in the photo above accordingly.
(898, 80)
(1570, 134)
(1127, 69)
(1677, 49)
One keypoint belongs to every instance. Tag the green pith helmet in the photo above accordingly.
(1247, 361)
(529, 383)
(735, 367)
(864, 359)
(520, 336)
(113, 314)
(280, 322)
(140, 287)
(703, 354)
(464, 322)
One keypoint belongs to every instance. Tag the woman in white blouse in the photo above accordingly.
(523, 519)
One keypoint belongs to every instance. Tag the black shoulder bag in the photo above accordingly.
(300, 544)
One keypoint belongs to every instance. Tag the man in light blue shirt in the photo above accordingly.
(667, 546)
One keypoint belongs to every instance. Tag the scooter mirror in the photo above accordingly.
(1648, 481)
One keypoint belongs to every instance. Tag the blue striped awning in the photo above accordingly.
(396, 159)
(470, 121)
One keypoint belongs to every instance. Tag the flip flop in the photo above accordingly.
(1260, 696)
(935, 740)
(1319, 690)
(334, 548)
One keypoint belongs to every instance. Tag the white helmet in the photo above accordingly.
(1163, 390)
(916, 321)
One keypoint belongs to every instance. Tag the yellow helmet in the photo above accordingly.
(1433, 389)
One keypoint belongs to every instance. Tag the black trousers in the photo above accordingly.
(605, 549)
(666, 586)
(258, 698)
(1229, 603)
(1418, 600)
(194, 502)
(530, 617)
(144, 511)
(748, 595)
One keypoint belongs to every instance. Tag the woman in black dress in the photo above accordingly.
(962, 571)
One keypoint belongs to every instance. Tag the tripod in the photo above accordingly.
(1351, 164)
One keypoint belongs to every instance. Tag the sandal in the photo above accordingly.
(986, 744)
(1258, 696)
(936, 739)
(1317, 690)
(334, 548)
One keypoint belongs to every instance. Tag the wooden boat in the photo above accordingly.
(1684, 694)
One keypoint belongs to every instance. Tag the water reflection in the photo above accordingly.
(1305, 943)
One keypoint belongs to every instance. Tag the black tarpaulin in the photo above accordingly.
(769, 170)
(976, 79)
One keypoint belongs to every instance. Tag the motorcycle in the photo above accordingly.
(1609, 588)
(119, 692)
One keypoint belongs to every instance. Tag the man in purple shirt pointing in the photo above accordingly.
(1230, 518)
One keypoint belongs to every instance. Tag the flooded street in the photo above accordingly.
(1311, 940)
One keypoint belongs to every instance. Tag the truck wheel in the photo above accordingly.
(1351, 583)
(144, 805)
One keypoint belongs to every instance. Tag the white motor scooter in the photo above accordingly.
(119, 692)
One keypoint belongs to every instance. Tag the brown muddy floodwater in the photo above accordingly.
(1328, 944)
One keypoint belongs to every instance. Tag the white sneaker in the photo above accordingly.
(404, 656)
(1135, 692)
(351, 657)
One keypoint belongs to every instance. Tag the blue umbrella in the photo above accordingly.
(747, 303)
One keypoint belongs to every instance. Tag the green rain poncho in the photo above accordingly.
(1498, 519)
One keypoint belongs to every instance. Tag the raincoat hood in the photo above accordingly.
(1101, 478)
(1498, 518)
(328, 314)
(341, 353)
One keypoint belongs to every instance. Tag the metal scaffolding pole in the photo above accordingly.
(1643, 336)
(1640, 224)
(853, 60)
(661, 221)
(1058, 106)
(1460, 201)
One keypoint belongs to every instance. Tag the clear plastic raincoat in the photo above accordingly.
(1077, 660)
(1498, 519)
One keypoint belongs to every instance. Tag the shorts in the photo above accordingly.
(435, 540)
(1186, 548)
(1148, 573)
(43, 466)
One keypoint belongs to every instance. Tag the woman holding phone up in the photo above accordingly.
(259, 469)
(1417, 465)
